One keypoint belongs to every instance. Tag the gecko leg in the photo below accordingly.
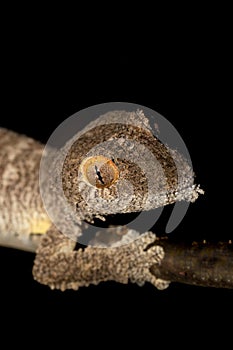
(60, 266)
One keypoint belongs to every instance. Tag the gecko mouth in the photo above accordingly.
(115, 220)
(123, 219)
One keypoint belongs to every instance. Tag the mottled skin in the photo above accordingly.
(22, 215)
(69, 269)
(24, 221)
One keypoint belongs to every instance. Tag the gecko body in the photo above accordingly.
(97, 180)
(22, 214)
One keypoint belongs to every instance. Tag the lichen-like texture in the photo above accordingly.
(21, 208)
(58, 265)
(115, 165)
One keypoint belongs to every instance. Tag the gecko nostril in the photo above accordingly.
(99, 171)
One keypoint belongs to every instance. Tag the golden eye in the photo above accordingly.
(99, 171)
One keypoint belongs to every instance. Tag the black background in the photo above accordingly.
(47, 79)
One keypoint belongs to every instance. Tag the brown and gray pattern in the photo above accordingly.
(20, 203)
(57, 263)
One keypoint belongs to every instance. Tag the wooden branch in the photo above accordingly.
(202, 264)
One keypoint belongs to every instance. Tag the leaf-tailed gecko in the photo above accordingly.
(91, 174)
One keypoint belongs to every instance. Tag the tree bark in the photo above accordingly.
(202, 264)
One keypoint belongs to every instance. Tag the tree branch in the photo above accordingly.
(202, 264)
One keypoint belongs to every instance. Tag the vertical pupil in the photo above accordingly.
(99, 175)
(99, 171)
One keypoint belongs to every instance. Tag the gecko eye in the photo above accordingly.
(99, 171)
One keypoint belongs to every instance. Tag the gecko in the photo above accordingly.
(97, 179)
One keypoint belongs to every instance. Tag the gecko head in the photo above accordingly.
(115, 166)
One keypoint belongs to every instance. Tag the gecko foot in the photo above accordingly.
(144, 257)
